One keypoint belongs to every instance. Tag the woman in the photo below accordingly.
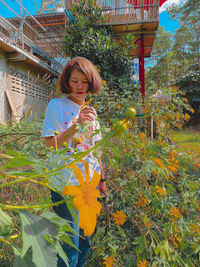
(75, 123)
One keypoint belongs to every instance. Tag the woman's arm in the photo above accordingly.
(102, 184)
(66, 135)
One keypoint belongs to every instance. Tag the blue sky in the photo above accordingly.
(168, 24)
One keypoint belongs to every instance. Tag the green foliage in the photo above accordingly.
(89, 38)
(187, 36)
(189, 83)
(147, 180)
(34, 230)
(24, 137)
(170, 59)
(5, 223)
(41, 234)
(26, 261)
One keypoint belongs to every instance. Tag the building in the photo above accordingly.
(26, 70)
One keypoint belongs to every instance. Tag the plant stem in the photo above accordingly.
(9, 207)
(4, 241)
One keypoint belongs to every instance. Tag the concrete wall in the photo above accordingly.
(4, 107)
(24, 89)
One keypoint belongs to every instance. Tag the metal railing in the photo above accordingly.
(123, 11)
(13, 30)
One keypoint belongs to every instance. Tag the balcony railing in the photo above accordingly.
(20, 32)
(129, 11)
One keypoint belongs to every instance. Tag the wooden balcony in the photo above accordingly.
(130, 16)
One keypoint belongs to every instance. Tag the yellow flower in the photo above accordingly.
(154, 172)
(185, 99)
(147, 223)
(160, 143)
(191, 110)
(77, 140)
(180, 126)
(119, 217)
(101, 251)
(167, 125)
(109, 261)
(85, 198)
(175, 239)
(160, 190)
(96, 105)
(178, 116)
(173, 167)
(163, 118)
(97, 68)
(142, 263)
(158, 162)
(195, 228)
(103, 82)
(196, 166)
(175, 212)
(142, 136)
(172, 155)
(142, 201)
(86, 103)
(119, 107)
(187, 116)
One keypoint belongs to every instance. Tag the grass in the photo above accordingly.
(187, 140)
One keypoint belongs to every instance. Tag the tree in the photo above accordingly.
(160, 58)
(86, 36)
(47, 6)
(187, 37)
(189, 83)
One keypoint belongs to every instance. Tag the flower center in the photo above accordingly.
(88, 194)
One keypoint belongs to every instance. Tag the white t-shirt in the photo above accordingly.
(61, 113)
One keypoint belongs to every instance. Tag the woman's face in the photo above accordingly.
(79, 85)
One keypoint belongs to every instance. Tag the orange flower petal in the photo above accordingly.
(96, 194)
(87, 220)
(71, 190)
(78, 202)
(78, 173)
(87, 174)
(95, 179)
(98, 207)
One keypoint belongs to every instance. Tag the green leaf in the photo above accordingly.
(197, 250)
(59, 221)
(5, 223)
(61, 253)
(64, 237)
(34, 229)
(19, 261)
(20, 161)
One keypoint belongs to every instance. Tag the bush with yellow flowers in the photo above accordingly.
(151, 217)
(169, 108)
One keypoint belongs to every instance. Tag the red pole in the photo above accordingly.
(141, 68)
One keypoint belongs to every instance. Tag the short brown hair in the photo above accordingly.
(84, 66)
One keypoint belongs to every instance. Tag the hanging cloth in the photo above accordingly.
(162, 2)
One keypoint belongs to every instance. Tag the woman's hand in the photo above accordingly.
(86, 114)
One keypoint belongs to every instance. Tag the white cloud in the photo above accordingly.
(169, 3)
(60, 9)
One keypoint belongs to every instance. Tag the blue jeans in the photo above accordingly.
(76, 258)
